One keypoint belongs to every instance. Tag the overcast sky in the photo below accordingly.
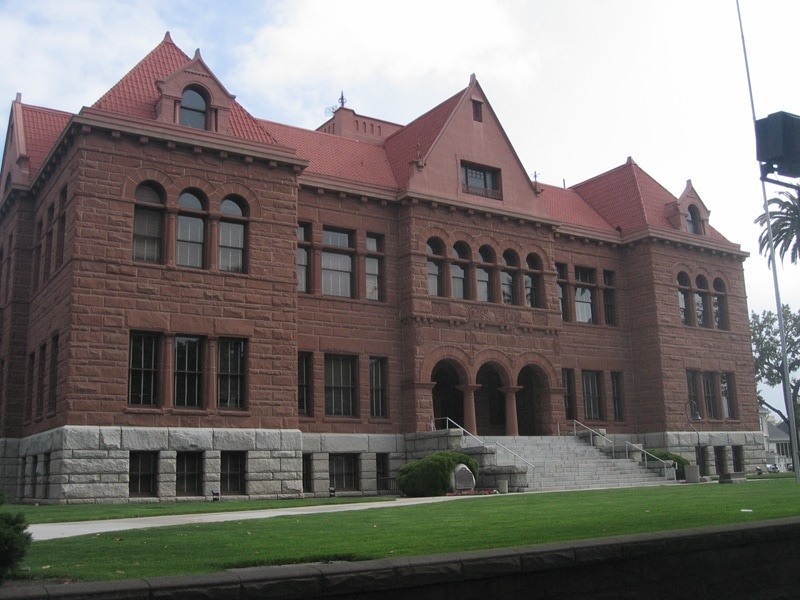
(578, 85)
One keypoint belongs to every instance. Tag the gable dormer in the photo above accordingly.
(193, 97)
(688, 213)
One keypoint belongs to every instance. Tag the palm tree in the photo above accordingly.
(784, 216)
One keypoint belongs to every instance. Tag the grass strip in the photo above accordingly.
(463, 524)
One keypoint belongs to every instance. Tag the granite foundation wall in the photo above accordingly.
(741, 562)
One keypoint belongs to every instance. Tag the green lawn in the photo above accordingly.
(463, 524)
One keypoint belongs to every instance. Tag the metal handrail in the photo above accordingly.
(628, 445)
(448, 421)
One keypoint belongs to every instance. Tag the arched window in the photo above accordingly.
(483, 275)
(720, 305)
(685, 298)
(435, 253)
(702, 302)
(693, 224)
(232, 235)
(148, 223)
(509, 277)
(534, 282)
(458, 271)
(194, 109)
(190, 250)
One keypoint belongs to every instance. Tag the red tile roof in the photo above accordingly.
(568, 206)
(42, 127)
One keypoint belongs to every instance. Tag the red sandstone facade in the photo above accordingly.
(194, 299)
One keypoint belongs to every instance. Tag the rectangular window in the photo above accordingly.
(303, 253)
(148, 233)
(481, 181)
(308, 473)
(29, 387)
(568, 383)
(188, 372)
(231, 247)
(340, 386)
(304, 397)
(337, 265)
(459, 278)
(563, 291)
(592, 395)
(62, 223)
(343, 471)
(482, 279)
(143, 474)
(189, 474)
(694, 395)
(53, 375)
(143, 369)
(233, 469)
(709, 397)
(231, 373)
(377, 387)
(727, 392)
(584, 295)
(41, 377)
(191, 237)
(702, 309)
(374, 267)
(738, 458)
(382, 473)
(477, 110)
(609, 298)
(616, 396)
(48, 242)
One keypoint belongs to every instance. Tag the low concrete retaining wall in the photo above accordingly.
(756, 560)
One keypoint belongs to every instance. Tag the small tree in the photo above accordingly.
(784, 220)
(768, 356)
(14, 541)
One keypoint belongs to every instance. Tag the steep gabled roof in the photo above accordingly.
(629, 198)
(42, 127)
(416, 139)
(137, 93)
(335, 156)
(569, 207)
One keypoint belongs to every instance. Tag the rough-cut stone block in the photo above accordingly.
(190, 439)
(268, 439)
(144, 438)
(110, 438)
(234, 439)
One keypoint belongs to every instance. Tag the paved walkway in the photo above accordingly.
(51, 531)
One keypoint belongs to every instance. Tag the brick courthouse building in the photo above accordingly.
(193, 299)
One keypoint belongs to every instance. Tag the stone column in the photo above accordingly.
(512, 424)
(470, 422)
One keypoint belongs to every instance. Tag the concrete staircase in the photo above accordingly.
(570, 463)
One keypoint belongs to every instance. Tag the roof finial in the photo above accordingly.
(342, 100)
(168, 38)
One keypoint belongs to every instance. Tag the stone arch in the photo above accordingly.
(447, 394)
(490, 400)
(532, 398)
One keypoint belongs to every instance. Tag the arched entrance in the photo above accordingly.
(530, 408)
(490, 402)
(448, 400)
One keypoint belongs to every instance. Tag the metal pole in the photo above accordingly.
(787, 397)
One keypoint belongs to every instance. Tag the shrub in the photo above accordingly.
(14, 541)
(430, 476)
(680, 462)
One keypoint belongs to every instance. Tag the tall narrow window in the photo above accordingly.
(727, 392)
(592, 395)
(304, 397)
(303, 254)
(337, 263)
(720, 305)
(232, 236)
(563, 291)
(692, 385)
(568, 383)
(585, 289)
(435, 253)
(709, 396)
(48, 242)
(62, 223)
(340, 386)
(194, 108)
(702, 303)
(53, 391)
(189, 474)
(616, 396)
(509, 277)
(609, 298)
(377, 387)
(143, 369)
(693, 223)
(458, 271)
(148, 223)
(685, 304)
(142, 474)
(477, 110)
(231, 373)
(37, 256)
(483, 275)
(188, 372)
(191, 231)
(232, 471)
(373, 265)
(534, 283)
(41, 377)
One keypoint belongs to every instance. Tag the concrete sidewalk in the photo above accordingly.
(51, 531)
